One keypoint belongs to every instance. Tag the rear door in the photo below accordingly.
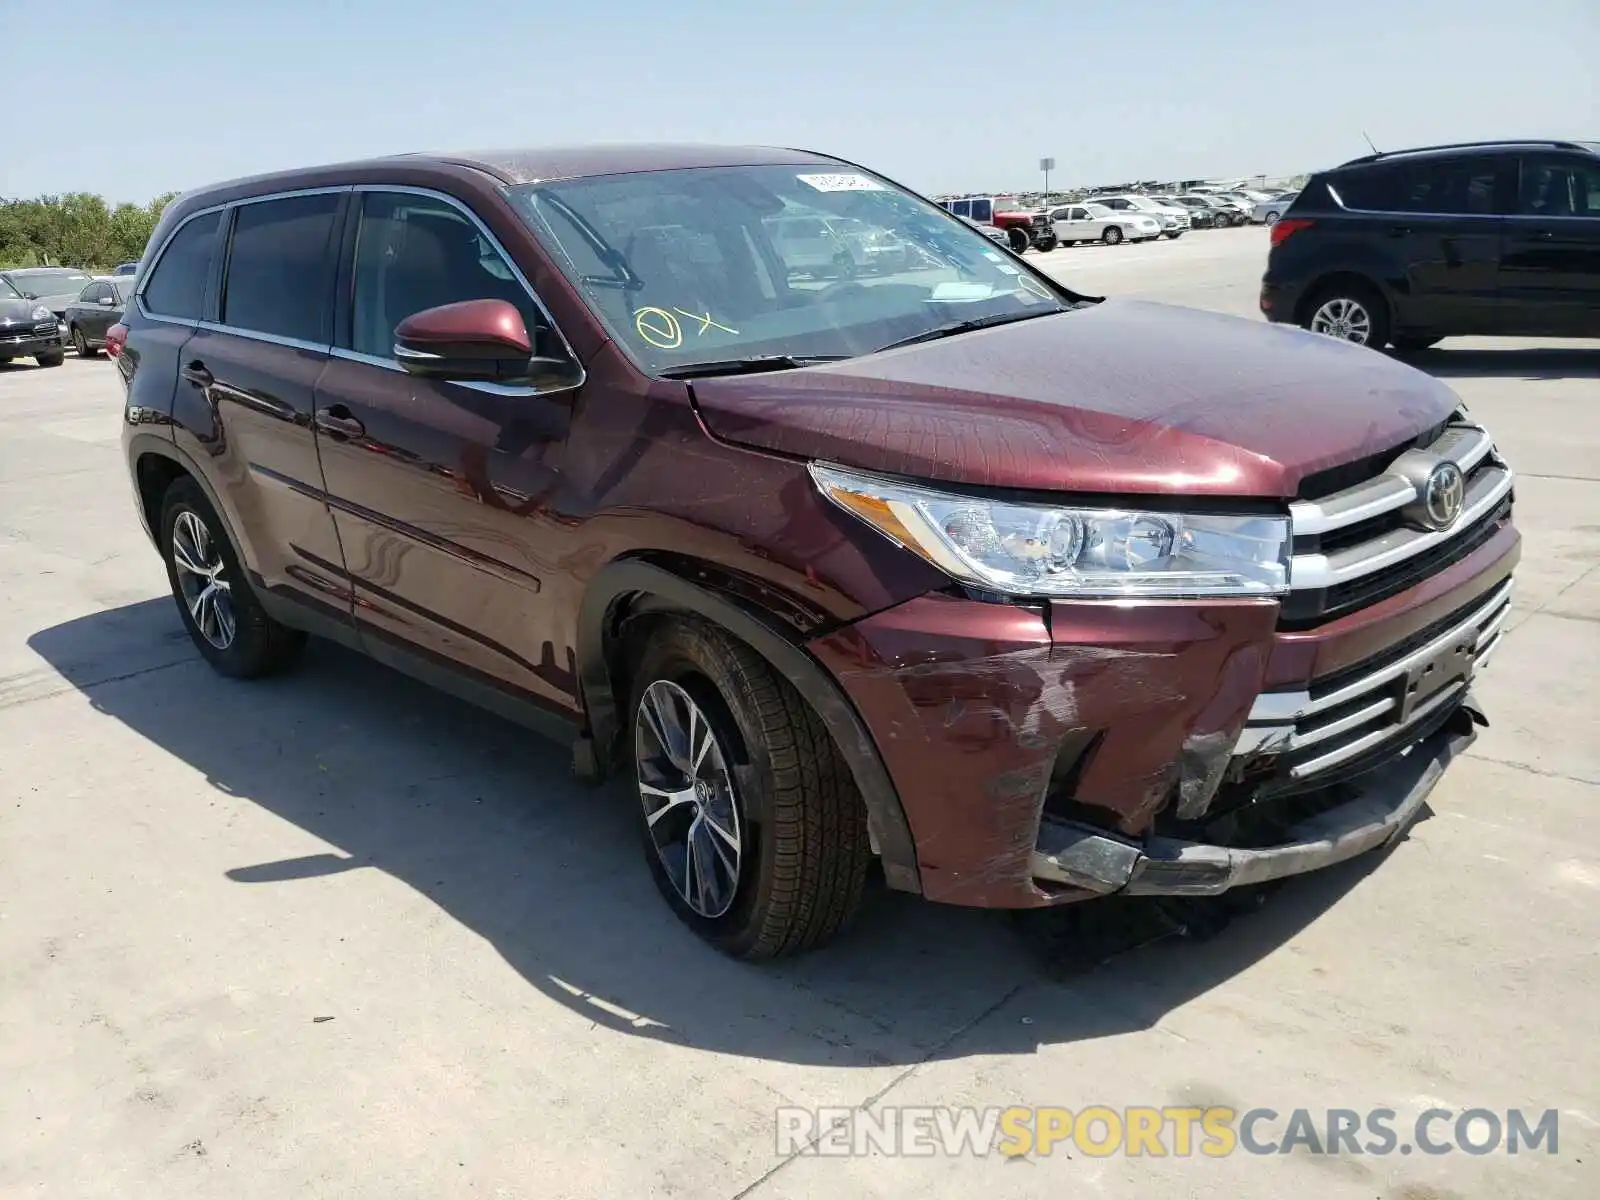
(97, 308)
(247, 382)
(1550, 267)
(1438, 222)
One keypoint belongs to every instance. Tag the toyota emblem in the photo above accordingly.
(1443, 494)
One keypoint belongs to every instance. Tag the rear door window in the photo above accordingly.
(280, 267)
(982, 210)
(177, 286)
(1449, 187)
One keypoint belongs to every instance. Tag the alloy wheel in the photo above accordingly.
(690, 807)
(80, 343)
(1343, 318)
(202, 578)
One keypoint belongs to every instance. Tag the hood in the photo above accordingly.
(1123, 397)
(18, 312)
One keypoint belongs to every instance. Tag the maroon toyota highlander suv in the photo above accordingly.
(1031, 596)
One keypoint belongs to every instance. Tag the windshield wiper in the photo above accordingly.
(748, 366)
(967, 326)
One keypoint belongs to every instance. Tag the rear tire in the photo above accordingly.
(81, 344)
(1351, 311)
(228, 626)
(792, 872)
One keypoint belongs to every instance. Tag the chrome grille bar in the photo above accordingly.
(1284, 722)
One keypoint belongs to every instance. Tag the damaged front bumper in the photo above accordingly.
(1385, 804)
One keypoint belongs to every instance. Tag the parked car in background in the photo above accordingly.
(131, 268)
(1091, 222)
(1268, 211)
(1022, 227)
(28, 329)
(1229, 210)
(1408, 247)
(1031, 597)
(1202, 213)
(95, 311)
(1174, 218)
(54, 287)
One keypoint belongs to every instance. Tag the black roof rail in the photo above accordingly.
(1550, 143)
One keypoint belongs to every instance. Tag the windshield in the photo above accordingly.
(34, 284)
(716, 263)
(8, 292)
(1098, 210)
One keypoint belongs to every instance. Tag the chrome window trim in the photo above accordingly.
(258, 335)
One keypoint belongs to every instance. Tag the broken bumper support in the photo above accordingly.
(1082, 857)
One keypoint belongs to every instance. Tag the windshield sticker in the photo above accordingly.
(658, 327)
(1007, 270)
(992, 256)
(705, 321)
(840, 183)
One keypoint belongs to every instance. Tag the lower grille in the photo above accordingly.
(1343, 717)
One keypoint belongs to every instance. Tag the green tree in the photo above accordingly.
(79, 230)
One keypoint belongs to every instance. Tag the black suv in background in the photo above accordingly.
(1412, 246)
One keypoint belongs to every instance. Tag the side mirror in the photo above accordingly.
(471, 340)
(108, 301)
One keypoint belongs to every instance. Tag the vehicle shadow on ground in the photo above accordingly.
(1548, 362)
(484, 819)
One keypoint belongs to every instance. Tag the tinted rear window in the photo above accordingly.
(280, 267)
(178, 286)
(1451, 186)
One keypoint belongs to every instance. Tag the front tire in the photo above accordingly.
(1350, 311)
(1047, 244)
(753, 828)
(1271, 218)
(1111, 235)
(225, 620)
(53, 359)
(1018, 237)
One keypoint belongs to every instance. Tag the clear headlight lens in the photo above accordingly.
(1040, 550)
(42, 314)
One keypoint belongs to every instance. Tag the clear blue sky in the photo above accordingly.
(940, 96)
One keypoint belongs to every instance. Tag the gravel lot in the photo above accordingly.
(337, 935)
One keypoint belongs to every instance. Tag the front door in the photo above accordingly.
(442, 491)
(1550, 266)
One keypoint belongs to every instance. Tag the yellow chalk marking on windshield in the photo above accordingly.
(658, 327)
(705, 321)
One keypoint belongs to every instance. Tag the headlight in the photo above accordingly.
(42, 314)
(1044, 550)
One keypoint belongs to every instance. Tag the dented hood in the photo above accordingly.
(1122, 397)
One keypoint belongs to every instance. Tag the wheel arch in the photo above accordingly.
(1365, 279)
(628, 587)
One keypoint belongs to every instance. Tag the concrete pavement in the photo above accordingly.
(337, 935)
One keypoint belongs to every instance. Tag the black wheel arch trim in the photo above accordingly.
(769, 637)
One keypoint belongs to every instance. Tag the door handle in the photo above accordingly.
(1399, 230)
(1543, 235)
(336, 421)
(196, 373)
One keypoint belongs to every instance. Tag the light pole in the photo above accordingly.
(1047, 165)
